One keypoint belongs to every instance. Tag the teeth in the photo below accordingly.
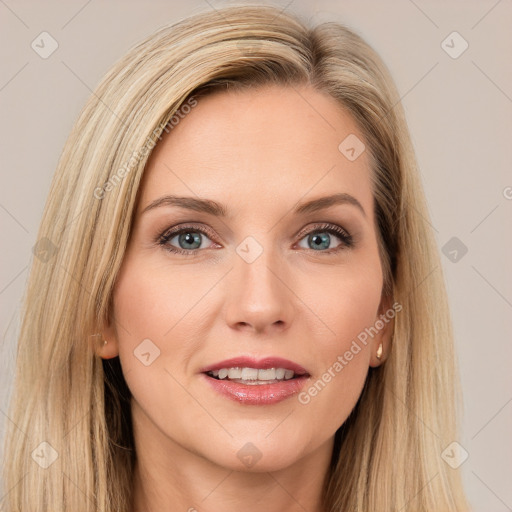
(253, 374)
(249, 374)
(268, 374)
(235, 373)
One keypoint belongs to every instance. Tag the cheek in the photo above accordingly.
(153, 307)
(150, 306)
(346, 302)
(156, 302)
(349, 308)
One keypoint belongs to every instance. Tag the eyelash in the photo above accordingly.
(344, 236)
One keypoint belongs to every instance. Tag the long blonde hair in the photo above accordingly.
(387, 454)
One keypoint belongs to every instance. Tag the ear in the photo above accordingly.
(384, 324)
(108, 334)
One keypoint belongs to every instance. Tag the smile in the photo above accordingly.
(251, 382)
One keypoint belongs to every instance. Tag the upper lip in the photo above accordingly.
(261, 364)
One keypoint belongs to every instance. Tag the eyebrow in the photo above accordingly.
(218, 210)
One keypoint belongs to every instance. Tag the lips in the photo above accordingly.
(256, 382)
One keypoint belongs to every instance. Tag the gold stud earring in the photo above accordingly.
(379, 352)
(105, 342)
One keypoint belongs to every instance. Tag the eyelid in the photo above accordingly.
(189, 226)
(322, 226)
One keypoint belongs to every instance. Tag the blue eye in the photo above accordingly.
(189, 239)
(320, 238)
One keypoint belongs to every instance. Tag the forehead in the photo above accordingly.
(259, 147)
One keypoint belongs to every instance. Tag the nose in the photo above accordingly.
(258, 295)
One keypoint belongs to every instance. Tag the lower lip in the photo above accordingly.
(257, 394)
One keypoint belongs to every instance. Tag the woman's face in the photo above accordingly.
(261, 277)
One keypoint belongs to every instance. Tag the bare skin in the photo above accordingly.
(258, 153)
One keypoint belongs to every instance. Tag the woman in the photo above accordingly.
(240, 302)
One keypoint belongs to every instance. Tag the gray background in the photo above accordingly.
(459, 112)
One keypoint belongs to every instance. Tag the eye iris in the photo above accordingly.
(320, 241)
(190, 238)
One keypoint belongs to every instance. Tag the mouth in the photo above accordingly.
(253, 382)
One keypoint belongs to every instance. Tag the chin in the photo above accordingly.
(260, 455)
(253, 461)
